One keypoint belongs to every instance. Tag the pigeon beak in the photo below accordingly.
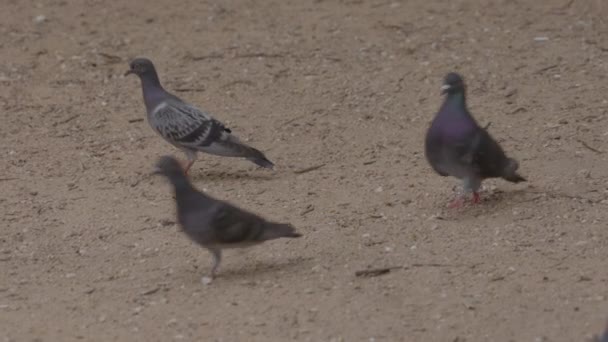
(445, 88)
(156, 171)
(129, 72)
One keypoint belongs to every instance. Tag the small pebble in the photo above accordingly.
(40, 19)
(206, 280)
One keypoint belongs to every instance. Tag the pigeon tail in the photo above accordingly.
(230, 146)
(262, 161)
(510, 172)
(257, 157)
(280, 230)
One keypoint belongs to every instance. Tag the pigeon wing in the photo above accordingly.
(485, 155)
(232, 225)
(185, 125)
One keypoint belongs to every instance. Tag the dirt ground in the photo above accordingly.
(89, 249)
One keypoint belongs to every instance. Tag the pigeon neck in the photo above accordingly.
(458, 98)
(152, 90)
(150, 81)
(180, 182)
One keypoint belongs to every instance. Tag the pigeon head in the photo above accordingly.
(452, 84)
(141, 67)
(169, 167)
(511, 167)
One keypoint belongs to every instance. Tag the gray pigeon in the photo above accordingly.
(185, 126)
(216, 224)
(457, 146)
(603, 337)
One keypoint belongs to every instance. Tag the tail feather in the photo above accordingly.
(262, 161)
(232, 147)
(280, 230)
(515, 178)
(252, 154)
(257, 157)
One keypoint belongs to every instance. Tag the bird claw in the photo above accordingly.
(457, 203)
(186, 166)
(476, 198)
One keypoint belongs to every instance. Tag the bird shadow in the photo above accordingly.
(224, 175)
(514, 196)
(495, 200)
(248, 270)
(262, 267)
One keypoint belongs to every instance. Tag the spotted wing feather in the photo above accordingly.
(185, 125)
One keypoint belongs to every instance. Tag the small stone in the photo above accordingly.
(206, 280)
(39, 19)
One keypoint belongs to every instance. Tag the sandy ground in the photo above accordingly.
(88, 245)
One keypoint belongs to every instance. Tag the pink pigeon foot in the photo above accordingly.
(476, 198)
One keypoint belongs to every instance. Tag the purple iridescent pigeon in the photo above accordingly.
(457, 146)
(185, 126)
(215, 224)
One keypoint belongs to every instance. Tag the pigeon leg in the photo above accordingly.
(460, 198)
(191, 155)
(472, 185)
(187, 166)
(216, 253)
(476, 198)
(456, 203)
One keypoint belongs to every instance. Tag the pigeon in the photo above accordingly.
(185, 126)
(603, 337)
(457, 146)
(215, 224)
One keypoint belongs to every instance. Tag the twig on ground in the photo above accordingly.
(547, 68)
(308, 169)
(66, 120)
(185, 90)
(374, 272)
(590, 148)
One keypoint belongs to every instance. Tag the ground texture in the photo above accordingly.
(89, 249)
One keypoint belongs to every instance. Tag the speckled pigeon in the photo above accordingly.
(185, 126)
(457, 146)
(216, 224)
